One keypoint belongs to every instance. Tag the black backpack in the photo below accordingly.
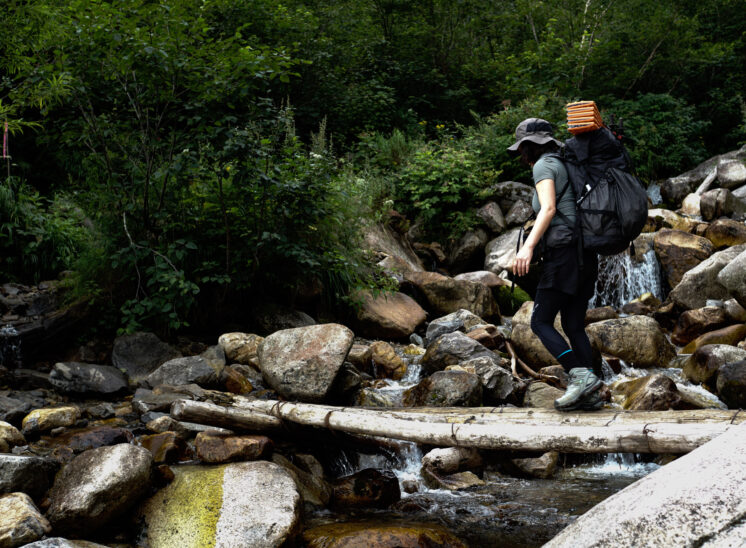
(611, 203)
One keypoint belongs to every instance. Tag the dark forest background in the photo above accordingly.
(174, 156)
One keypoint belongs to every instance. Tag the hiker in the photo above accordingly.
(565, 285)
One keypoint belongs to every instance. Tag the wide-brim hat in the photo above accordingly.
(535, 130)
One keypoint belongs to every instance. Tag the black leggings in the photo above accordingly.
(547, 304)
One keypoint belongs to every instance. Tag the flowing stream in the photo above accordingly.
(509, 511)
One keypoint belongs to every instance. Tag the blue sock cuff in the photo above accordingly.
(565, 352)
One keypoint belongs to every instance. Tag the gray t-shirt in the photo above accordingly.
(548, 167)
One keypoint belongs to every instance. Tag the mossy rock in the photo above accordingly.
(510, 301)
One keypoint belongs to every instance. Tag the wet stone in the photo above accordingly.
(30, 475)
(86, 378)
(9, 437)
(217, 449)
(235, 382)
(166, 447)
(367, 488)
(460, 481)
(43, 420)
(20, 521)
(80, 440)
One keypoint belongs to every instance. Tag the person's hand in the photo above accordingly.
(522, 260)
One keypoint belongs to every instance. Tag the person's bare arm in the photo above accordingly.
(547, 198)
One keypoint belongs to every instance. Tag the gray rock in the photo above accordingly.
(700, 283)
(30, 475)
(446, 389)
(443, 294)
(383, 240)
(732, 278)
(731, 384)
(275, 317)
(451, 349)
(192, 369)
(139, 354)
(519, 213)
(302, 363)
(740, 193)
(469, 246)
(731, 173)
(507, 193)
(497, 382)
(687, 502)
(541, 395)
(87, 378)
(720, 202)
(20, 521)
(500, 252)
(253, 504)
(461, 320)
(59, 542)
(638, 340)
(97, 487)
(493, 217)
(13, 410)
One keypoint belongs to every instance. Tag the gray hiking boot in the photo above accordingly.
(583, 382)
(592, 402)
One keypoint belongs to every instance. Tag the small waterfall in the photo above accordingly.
(10, 347)
(654, 193)
(622, 279)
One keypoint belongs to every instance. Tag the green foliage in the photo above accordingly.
(663, 134)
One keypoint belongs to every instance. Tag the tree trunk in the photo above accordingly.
(502, 429)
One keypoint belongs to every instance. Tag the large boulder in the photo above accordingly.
(443, 295)
(653, 393)
(721, 202)
(97, 487)
(659, 219)
(387, 315)
(731, 173)
(302, 363)
(732, 334)
(191, 369)
(242, 504)
(20, 521)
(731, 384)
(638, 340)
(446, 389)
(693, 323)
(139, 354)
(507, 193)
(696, 500)
(451, 349)
(679, 252)
(732, 278)
(382, 239)
(726, 233)
(469, 247)
(700, 283)
(526, 343)
(500, 252)
(87, 378)
(493, 372)
(702, 367)
(31, 475)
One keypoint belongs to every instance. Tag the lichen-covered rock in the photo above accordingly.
(97, 487)
(87, 378)
(387, 315)
(731, 384)
(653, 393)
(451, 349)
(446, 389)
(638, 340)
(139, 354)
(302, 363)
(242, 504)
(240, 347)
(731, 173)
(700, 283)
(217, 449)
(703, 365)
(45, 419)
(679, 252)
(20, 521)
(380, 535)
(726, 233)
(726, 335)
(732, 278)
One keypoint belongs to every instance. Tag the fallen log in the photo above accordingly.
(226, 417)
(549, 434)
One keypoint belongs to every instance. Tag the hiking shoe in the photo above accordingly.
(583, 382)
(592, 402)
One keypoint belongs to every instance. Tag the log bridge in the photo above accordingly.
(498, 428)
